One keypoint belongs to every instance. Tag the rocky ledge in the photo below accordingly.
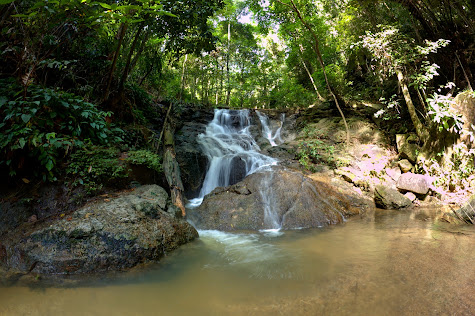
(296, 200)
(110, 235)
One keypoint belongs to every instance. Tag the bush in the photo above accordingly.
(95, 166)
(44, 125)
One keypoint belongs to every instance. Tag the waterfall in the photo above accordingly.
(273, 138)
(231, 150)
(271, 219)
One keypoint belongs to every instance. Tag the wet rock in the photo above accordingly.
(405, 165)
(467, 212)
(110, 235)
(193, 163)
(416, 183)
(407, 146)
(388, 198)
(295, 200)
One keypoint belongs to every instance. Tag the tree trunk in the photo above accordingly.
(149, 71)
(420, 129)
(310, 76)
(228, 92)
(122, 31)
(172, 171)
(125, 74)
(316, 48)
(183, 77)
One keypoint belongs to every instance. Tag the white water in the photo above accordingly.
(271, 219)
(274, 138)
(231, 150)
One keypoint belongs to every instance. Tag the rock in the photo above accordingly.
(110, 235)
(405, 165)
(463, 105)
(416, 183)
(347, 175)
(407, 146)
(388, 198)
(296, 200)
(411, 196)
(393, 173)
(193, 163)
(467, 212)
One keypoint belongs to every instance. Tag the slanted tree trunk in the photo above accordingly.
(310, 75)
(316, 48)
(421, 131)
(172, 171)
(121, 35)
(127, 68)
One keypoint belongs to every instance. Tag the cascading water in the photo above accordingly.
(274, 138)
(231, 150)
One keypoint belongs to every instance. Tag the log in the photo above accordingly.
(172, 172)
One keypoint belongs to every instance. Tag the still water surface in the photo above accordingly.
(387, 263)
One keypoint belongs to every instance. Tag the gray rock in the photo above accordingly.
(411, 196)
(405, 165)
(416, 183)
(109, 235)
(388, 198)
(193, 163)
(467, 212)
(407, 146)
(393, 173)
(296, 200)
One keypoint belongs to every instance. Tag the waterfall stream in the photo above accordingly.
(231, 150)
(274, 138)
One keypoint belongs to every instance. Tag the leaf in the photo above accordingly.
(3, 100)
(49, 165)
(104, 5)
(25, 118)
(22, 142)
(6, 1)
(25, 180)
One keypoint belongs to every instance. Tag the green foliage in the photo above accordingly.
(315, 152)
(391, 110)
(145, 158)
(95, 166)
(45, 125)
(440, 113)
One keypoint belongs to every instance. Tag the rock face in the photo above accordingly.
(292, 200)
(388, 198)
(193, 163)
(463, 105)
(109, 235)
(407, 146)
(416, 183)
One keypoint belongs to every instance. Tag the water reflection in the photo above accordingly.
(386, 263)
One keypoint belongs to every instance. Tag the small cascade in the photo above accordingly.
(274, 138)
(271, 218)
(231, 150)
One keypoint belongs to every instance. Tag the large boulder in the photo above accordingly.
(416, 183)
(271, 199)
(193, 163)
(389, 198)
(110, 235)
(464, 105)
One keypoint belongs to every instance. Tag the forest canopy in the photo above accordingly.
(71, 69)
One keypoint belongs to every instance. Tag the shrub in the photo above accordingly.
(44, 125)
